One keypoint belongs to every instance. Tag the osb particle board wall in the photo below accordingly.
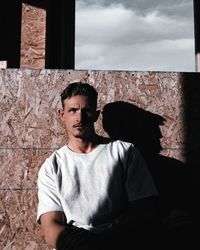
(30, 130)
(32, 37)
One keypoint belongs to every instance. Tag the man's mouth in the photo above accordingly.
(79, 125)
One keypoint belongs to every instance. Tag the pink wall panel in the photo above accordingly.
(31, 98)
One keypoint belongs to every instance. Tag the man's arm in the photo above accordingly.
(138, 214)
(52, 224)
(63, 236)
(136, 225)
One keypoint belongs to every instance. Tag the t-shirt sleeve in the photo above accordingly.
(139, 182)
(48, 198)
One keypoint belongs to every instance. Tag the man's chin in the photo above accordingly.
(83, 135)
(80, 134)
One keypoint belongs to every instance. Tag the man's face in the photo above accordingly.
(79, 116)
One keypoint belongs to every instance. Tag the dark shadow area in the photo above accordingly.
(125, 121)
(37, 3)
(10, 26)
(191, 92)
(196, 8)
(60, 34)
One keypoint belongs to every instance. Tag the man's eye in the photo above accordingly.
(88, 111)
(72, 110)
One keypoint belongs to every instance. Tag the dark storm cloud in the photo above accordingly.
(169, 7)
(137, 34)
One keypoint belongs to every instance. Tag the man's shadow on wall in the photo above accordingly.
(125, 121)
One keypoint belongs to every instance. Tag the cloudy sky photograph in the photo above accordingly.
(138, 35)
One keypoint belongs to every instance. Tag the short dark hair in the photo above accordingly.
(78, 88)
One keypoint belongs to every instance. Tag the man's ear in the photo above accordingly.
(60, 113)
(96, 116)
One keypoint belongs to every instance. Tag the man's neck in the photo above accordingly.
(79, 145)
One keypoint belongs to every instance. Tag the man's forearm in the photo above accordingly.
(76, 238)
(139, 213)
(52, 233)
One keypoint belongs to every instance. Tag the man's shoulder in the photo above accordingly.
(50, 162)
(57, 152)
(120, 147)
(122, 144)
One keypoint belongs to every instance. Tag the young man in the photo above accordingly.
(93, 192)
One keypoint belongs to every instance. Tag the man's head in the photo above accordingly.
(78, 88)
(79, 101)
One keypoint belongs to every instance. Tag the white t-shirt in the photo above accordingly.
(92, 188)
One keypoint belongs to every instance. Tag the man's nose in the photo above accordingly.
(80, 115)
